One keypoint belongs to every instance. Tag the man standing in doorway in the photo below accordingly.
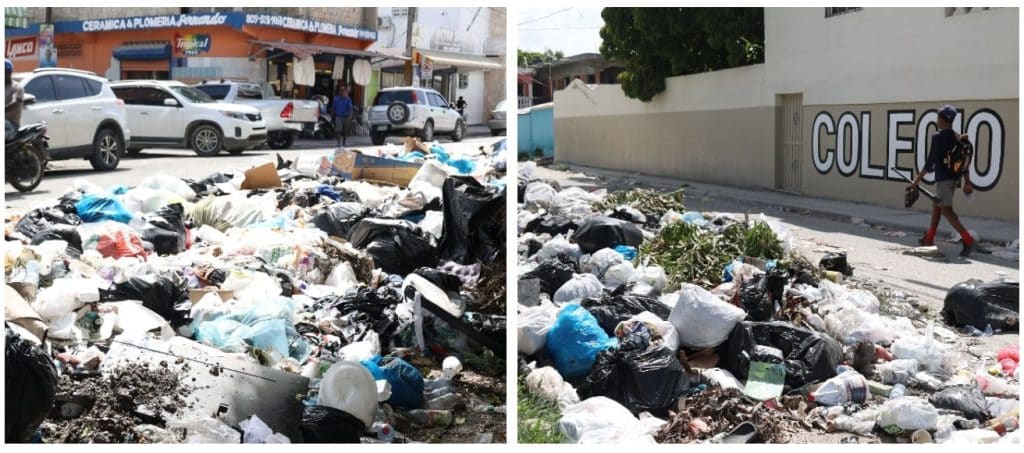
(945, 182)
(460, 105)
(342, 107)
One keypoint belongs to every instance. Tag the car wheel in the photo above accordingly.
(398, 112)
(280, 140)
(107, 149)
(377, 138)
(206, 141)
(459, 132)
(427, 133)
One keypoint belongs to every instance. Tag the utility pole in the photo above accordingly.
(410, 24)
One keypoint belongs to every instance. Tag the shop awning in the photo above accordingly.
(143, 52)
(459, 60)
(15, 17)
(302, 50)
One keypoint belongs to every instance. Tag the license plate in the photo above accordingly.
(382, 128)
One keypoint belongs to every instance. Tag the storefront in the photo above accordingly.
(196, 47)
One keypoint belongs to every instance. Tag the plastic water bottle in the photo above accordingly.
(384, 431)
(429, 417)
(848, 387)
(444, 402)
(898, 391)
(438, 392)
(434, 384)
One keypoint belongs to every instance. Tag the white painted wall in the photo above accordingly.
(880, 55)
(474, 95)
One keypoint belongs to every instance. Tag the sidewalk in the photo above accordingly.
(364, 140)
(990, 230)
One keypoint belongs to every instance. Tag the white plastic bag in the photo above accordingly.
(349, 386)
(660, 327)
(722, 378)
(359, 351)
(619, 274)
(206, 430)
(170, 184)
(65, 296)
(556, 246)
(534, 323)
(254, 430)
(929, 352)
(703, 320)
(909, 413)
(601, 420)
(652, 275)
(601, 260)
(579, 287)
(539, 194)
(669, 218)
(899, 371)
(548, 384)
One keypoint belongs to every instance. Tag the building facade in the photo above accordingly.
(194, 44)
(844, 103)
(538, 83)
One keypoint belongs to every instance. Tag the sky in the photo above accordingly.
(571, 30)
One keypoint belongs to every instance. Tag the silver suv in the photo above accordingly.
(83, 117)
(414, 111)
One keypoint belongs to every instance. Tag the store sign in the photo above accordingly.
(311, 26)
(145, 22)
(191, 44)
(21, 48)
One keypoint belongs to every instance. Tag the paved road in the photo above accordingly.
(184, 163)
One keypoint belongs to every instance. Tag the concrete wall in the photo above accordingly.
(865, 69)
(713, 127)
(536, 130)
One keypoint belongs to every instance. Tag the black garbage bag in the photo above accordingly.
(61, 232)
(553, 273)
(38, 220)
(629, 214)
(31, 387)
(397, 246)
(370, 310)
(444, 280)
(605, 232)
(474, 221)
(976, 303)
(530, 247)
(611, 310)
(836, 261)
(327, 425)
(648, 380)
(521, 191)
(338, 218)
(809, 356)
(552, 224)
(160, 294)
(756, 300)
(166, 229)
(967, 399)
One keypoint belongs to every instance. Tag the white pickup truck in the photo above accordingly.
(284, 117)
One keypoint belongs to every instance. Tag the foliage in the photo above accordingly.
(538, 419)
(528, 58)
(650, 202)
(655, 43)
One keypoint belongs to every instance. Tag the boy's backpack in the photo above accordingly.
(958, 158)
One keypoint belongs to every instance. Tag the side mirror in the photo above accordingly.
(29, 99)
(171, 102)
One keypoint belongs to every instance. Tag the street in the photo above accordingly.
(184, 163)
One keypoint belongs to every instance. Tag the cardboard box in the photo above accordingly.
(355, 166)
(261, 177)
(195, 294)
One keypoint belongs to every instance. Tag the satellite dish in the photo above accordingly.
(361, 72)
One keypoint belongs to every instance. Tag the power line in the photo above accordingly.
(544, 17)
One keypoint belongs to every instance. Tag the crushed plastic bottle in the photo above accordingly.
(848, 387)
(429, 417)
(444, 402)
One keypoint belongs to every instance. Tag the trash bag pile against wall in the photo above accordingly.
(597, 233)
(642, 380)
(979, 304)
(471, 214)
(31, 385)
(808, 356)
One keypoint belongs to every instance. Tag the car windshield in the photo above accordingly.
(387, 97)
(192, 94)
(218, 92)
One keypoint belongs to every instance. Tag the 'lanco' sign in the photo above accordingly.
(851, 155)
(21, 48)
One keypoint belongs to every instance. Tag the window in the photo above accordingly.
(830, 12)
(387, 97)
(130, 95)
(218, 92)
(69, 87)
(437, 101)
(192, 95)
(463, 80)
(42, 89)
(152, 96)
(250, 92)
(94, 87)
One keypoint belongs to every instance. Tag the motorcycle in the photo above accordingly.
(25, 156)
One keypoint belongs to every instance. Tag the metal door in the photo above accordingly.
(789, 158)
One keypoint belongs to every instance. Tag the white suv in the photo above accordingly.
(170, 113)
(413, 111)
(83, 117)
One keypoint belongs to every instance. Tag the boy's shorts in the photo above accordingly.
(945, 190)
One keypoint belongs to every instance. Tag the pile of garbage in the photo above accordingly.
(645, 322)
(341, 297)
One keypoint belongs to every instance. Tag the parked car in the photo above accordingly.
(413, 111)
(284, 117)
(84, 119)
(497, 120)
(170, 113)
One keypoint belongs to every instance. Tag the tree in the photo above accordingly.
(528, 58)
(655, 43)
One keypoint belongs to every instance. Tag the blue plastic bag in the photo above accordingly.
(438, 151)
(575, 340)
(406, 381)
(329, 192)
(97, 208)
(627, 251)
(464, 166)
(266, 325)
